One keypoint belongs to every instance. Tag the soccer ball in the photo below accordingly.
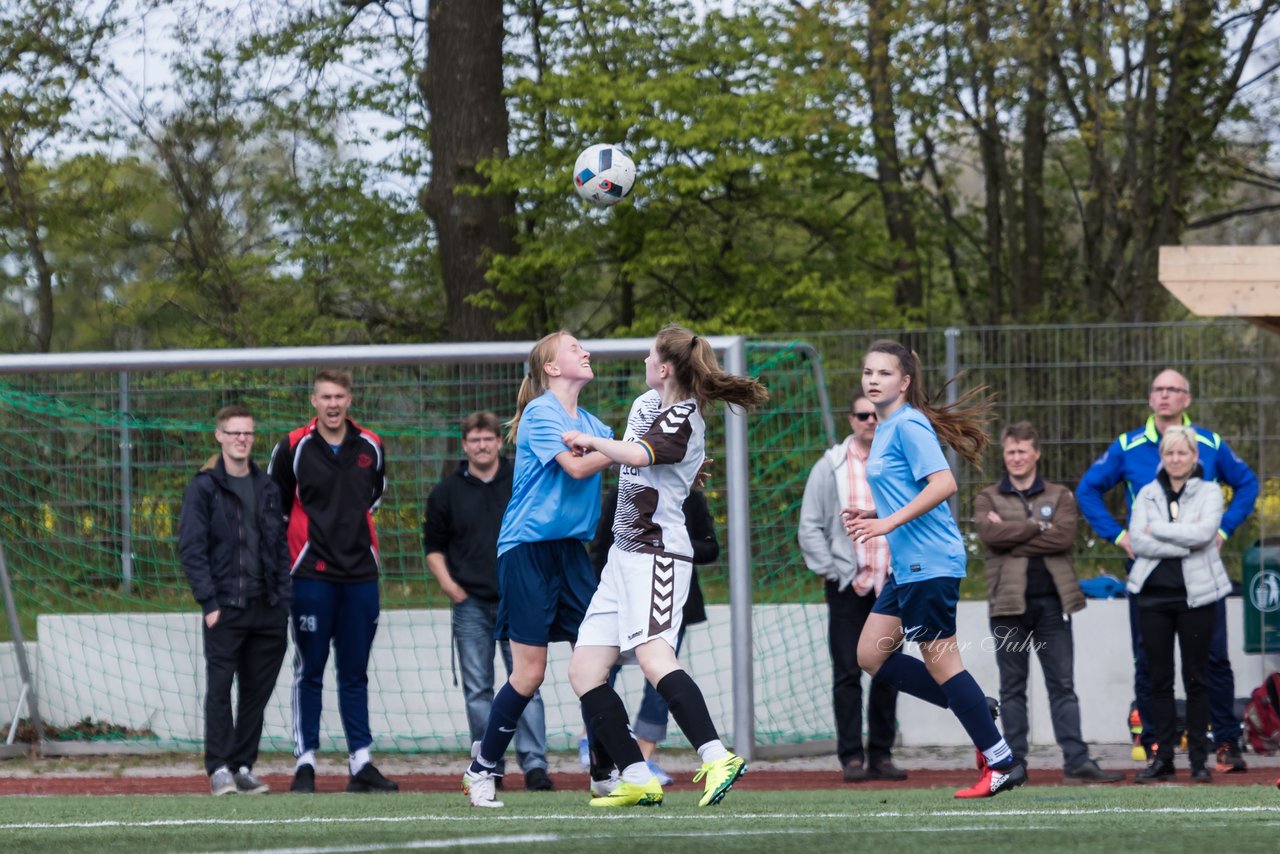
(604, 174)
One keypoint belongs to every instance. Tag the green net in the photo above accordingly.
(93, 465)
(92, 470)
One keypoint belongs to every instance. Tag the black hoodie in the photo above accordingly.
(463, 518)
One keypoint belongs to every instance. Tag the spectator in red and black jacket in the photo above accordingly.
(331, 473)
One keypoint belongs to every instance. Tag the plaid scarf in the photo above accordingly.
(871, 557)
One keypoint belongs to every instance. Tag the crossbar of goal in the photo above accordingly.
(731, 349)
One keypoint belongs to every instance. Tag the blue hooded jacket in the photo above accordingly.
(1134, 458)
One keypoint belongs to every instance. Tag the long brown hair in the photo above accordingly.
(698, 373)
(963, 424)
(535, 380)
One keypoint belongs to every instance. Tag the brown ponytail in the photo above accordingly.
(698, 373)
(963, 424)
(535, 380)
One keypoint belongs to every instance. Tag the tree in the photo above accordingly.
(48, 50)
(462, 85)
(750, 210)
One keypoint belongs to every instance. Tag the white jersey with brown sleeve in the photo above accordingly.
(650, 515)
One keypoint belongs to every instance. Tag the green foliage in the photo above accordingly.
(749, 211)
(265, 189)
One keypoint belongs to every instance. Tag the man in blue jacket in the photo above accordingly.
(1133, 459)
(232, 544)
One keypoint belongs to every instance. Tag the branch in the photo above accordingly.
(1223, 216)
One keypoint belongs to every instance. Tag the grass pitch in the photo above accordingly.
(1116, 818)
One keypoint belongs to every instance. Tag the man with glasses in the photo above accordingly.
(1134, 459)
(231, 540)
(854, 573)
(460, 537)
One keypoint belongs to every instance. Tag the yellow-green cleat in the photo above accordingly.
(632, 795)
(720, 777)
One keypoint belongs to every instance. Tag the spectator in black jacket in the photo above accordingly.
(331, 473)
(232, 544)
(460, 537)
(650, 727)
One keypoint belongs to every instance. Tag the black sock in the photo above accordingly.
(601, 762)
(688, 707)
(606, 719)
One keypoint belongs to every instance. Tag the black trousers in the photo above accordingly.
(246, 644)
(1044, 628)
(848, 613)
(1193, 629)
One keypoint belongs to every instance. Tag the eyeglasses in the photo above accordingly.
(1167, 389)
(863, 416)
(238, 434)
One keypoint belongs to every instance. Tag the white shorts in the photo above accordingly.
(640, 597)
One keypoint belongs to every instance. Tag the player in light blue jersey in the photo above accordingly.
(545, 578)
(911, 481)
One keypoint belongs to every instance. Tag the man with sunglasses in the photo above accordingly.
(1134, 459)
(231, 540)
(854, 574)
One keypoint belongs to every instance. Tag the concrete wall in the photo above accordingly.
(147, 671)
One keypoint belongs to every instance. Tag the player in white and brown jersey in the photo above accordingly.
(636, 610)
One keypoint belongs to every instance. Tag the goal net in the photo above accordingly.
(96, 449)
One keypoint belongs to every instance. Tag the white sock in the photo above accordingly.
(713, 751)
(637, 772)
(358, 760)
(308, 758)
(997, 754)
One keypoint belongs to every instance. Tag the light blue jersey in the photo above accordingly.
(904, 453)
(546, 503)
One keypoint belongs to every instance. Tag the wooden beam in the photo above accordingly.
(1225, 281)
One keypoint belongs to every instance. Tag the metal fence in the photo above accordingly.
(1084, 385)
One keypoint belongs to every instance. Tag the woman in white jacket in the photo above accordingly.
(1177, 576)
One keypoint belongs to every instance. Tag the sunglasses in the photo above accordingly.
(863, 416)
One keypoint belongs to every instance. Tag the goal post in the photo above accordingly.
(481, 375)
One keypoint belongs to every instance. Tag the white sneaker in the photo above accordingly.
(604, 788)
(248, 784)
(480, 788)
(221, 782)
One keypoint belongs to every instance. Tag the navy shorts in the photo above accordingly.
(543, 592)
(926, 608)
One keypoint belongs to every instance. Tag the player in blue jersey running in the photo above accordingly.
(636, 612)
(545, 578)
(911, 481)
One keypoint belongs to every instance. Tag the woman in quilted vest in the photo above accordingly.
(1177, 577)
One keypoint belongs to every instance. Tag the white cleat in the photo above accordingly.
(480, 788)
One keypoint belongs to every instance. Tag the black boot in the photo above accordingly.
(1159, 771)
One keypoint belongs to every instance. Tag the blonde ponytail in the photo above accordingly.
(535, 379)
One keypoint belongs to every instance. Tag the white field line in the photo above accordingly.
(632, 816)
(492, 840)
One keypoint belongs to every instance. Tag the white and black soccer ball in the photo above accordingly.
(604, 174)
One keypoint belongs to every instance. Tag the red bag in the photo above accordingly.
(1262, 717)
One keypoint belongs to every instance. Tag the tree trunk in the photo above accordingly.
(908, 292)
(1030, 291)
(35, 245)
(462, 85)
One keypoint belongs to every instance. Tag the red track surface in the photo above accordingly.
(755, 780)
